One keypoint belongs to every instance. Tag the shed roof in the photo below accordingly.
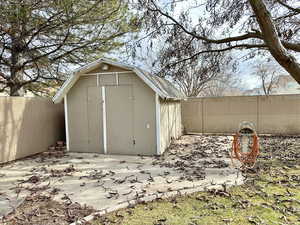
(161, 86)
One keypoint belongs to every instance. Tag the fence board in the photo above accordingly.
(28, 126)
(276, 114)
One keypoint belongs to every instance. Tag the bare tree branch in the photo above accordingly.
(272, 40)
(297, 10)
(222, 18)
(246, 46)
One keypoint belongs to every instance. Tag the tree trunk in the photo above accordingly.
(16, 72)
(15, 90)
(281, 55)
(16, 79)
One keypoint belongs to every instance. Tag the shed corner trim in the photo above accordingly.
(66, 123)
(157, 117)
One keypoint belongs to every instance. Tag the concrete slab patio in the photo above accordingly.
(105, 181)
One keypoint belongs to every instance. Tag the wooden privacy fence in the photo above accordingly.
(276, 114)
(28, 126)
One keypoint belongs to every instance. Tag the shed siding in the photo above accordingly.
(78, 114)
(170, 122)
(143, 111)
(144, 117)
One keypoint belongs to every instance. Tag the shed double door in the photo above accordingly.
(119, 119)
(95, 120)
(111, 122)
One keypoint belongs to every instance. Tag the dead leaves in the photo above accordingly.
(195, 155)
(98, 174)
(221, 193)
(269, 188)
(42, 209)
(33, 179)
(62, 172)
(284, 148)
(255, 220)
(113, 194)
(161, 221)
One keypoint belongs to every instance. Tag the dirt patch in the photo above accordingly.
(43, 210)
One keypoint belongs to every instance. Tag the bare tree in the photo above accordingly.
(193, 76)
(192, 79)
(190, 75)
(223, 84)
(263, 25)
(268, 76)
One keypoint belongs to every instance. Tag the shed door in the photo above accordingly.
(95, 124)
(119, 114)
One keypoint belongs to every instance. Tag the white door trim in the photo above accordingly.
(66, 123)
(104, 120)
(98, 80)
(157, 117)
(117, 78)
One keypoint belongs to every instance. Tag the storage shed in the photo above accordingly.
(114, 108)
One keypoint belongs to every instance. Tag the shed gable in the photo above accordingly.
(159, 85)
(110, 69)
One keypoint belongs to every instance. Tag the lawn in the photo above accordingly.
(270, 195)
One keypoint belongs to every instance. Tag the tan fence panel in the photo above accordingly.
(223, 115)
(191, 110)
(28, 126)
(278, 114)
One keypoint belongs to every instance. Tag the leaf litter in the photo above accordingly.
(270, 195)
